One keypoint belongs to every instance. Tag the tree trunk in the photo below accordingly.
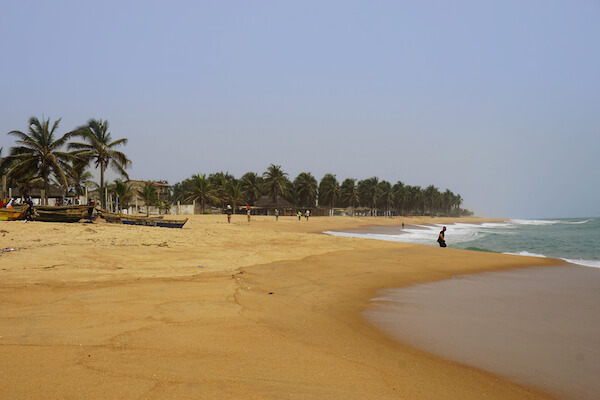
(102, 197)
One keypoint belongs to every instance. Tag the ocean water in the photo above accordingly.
(573, 240)
(536, 326)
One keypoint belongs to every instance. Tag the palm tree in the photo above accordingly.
(124, 193)
(234, 193)
(38, 152)
(3, 170)
(250, 187)
(329, 191)
(386, 195)
(220, 182)
(78, 176)
(400, 195)
(2, 167)
(200, 188)
(99, 146)
(305, 188)
(275, 182)
(349, 193)
(369, 192)
(149, 195)
(431, 195)
(415, 194)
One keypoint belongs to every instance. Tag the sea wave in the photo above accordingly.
(538, 222)
(585, 263)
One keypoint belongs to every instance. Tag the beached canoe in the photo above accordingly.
(149, 221)
(13, 214)
(116, 218)
(61, 213)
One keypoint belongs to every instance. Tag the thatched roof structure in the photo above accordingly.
(35, 191)
(267, 202)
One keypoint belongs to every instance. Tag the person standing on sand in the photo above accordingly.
(307, 214)
(30, 210)
(228, 213)
(441, 240)
(299, 215)
(276, 215)
(248, 212)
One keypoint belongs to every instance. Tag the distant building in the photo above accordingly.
(163, 191)
(136, 202)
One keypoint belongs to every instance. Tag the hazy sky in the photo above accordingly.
(498, 101)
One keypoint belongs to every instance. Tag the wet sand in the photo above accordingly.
(536, 326)
(265, 310)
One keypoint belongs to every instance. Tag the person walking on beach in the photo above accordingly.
(248, 212)
(441, 240)
(307, 214)
(403, 226)
(276, 215)
(299, 215)
(228, 214)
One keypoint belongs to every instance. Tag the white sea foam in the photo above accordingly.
(487, 236)
(585, 263)
(534, 222)
(526, 253)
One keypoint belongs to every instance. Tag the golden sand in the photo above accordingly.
(260, 310)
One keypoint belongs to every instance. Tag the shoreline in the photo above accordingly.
(261, 310)
(511, 322)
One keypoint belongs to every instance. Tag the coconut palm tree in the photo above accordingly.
(124, 193)
(386, 196)
(38, 153)
(400, 196)
(98, 146)
(368, 191)
(250, 187)
(79, 177)
(149, 195)
(234, 193)
(349, 193)
(329, 191)
(200, 188)
(275, 182)
(220, 182)
(430, 196)
(305, 188)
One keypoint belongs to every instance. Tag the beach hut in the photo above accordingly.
(266, 206)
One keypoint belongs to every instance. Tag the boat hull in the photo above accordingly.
(13, 214)
(67, 214)
(163, 223)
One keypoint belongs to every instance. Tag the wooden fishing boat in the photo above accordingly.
(115, 218)
(13, 214)
(148, 221)
(61, 213)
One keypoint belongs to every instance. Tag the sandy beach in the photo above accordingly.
(260, 310)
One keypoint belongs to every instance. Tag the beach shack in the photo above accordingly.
(266, 206)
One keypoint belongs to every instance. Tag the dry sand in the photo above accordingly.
(266, 310)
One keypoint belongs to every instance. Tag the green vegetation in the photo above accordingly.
(368, 196)
(98, 146)
(38, 157)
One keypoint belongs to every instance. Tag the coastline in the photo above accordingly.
(261, 310)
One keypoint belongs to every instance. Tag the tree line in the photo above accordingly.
(42, 155)
(379, 197)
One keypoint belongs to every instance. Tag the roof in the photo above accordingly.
(36, 191)
(266, 202)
